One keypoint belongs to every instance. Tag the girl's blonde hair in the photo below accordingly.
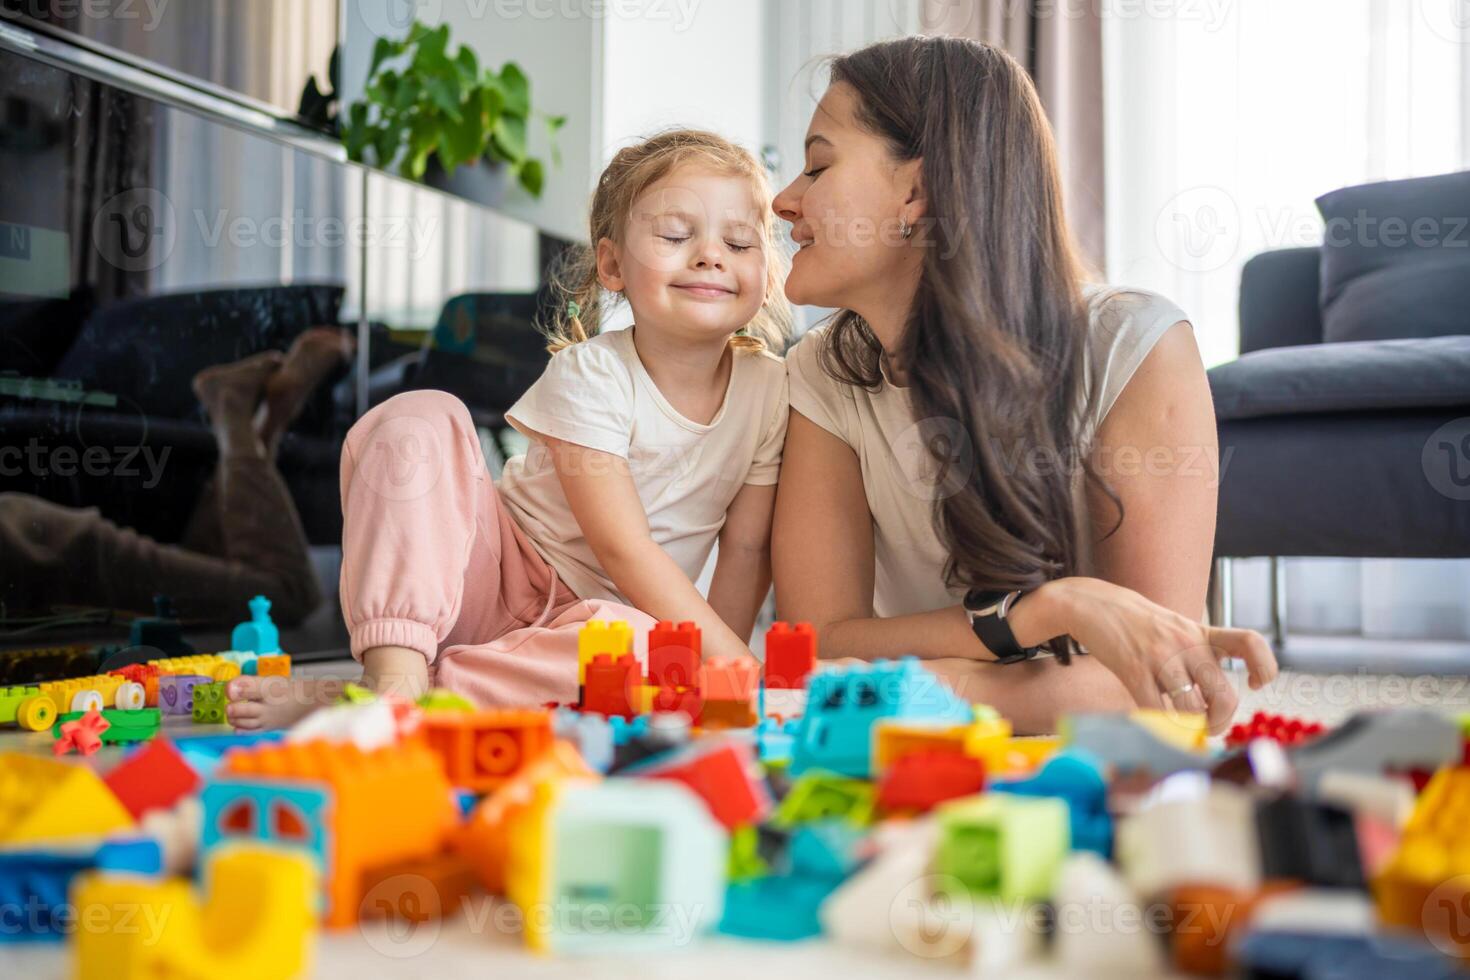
(578, 299)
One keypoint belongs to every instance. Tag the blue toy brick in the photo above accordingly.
(592, 735)
(843, 704)
(826, 849)
(1318, 956)
(204, 752)
(263, 804)
(34, 883)
(777, 907)
(259, 635)
(624, 730)
(1076, 777)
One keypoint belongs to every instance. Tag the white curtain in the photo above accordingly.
(1225, 122)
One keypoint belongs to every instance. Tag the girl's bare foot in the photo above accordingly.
(230, 394)
(313, 355)
(259, 703)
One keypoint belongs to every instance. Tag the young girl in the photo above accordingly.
(647, 445)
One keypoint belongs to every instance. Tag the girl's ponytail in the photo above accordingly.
(576, 297)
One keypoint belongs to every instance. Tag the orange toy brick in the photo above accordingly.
(610, 685)
(791, 654)
(275, 665)
(674, 654)
(484, 840)
(717, 715)
(688, 700)
(418, 889)
(729, 679)
(145, 674)
(351, 810)
(480, 750)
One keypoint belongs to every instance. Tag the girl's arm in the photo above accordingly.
(743, 566)
(605, 502)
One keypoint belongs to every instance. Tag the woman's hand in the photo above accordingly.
(1154, 651)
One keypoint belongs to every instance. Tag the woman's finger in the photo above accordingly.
(1177, 682)
(1250, 646)
(1219, 694)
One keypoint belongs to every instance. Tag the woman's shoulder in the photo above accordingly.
(1116, 312)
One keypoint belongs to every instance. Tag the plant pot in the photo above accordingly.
(483, 182)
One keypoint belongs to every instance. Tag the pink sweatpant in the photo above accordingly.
(432, 560)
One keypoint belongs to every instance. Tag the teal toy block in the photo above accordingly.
(1002, 845)
(844, 703)
(1076, 777)
(259, 635)
(209, 703)
(826, 796)
(826, 849)
(776, 907)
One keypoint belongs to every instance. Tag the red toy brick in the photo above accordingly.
(791, 654)
(154, 777)
(685, 699)
(923, 779)
(724, 775)
(1278, 728)
(610, 683)
(674, 654)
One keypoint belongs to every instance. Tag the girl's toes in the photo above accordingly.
(245, 714)
(243, 688)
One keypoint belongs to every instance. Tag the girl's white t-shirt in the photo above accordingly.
(599, 395)
(900, 478)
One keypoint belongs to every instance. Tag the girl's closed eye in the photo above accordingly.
(739, 246)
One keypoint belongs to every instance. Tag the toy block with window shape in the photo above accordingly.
(622, 851)
(348, 809)
(610, 685)
(791, 655)
(600, 636)
(674, 655)
(721, 771)
(1008, 847)
(844, 703)
(253, 920)
(45, 799)
(176, 692)
(209, 703)
(153, 778)
(924, 778)
(482, 750)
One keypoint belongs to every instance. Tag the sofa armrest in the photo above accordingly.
(1356, 376)
(1279, 301)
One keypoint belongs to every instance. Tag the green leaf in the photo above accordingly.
(517, 89)
(532, 177)
(384, 88)
(386, 142)
(408, 93)
(423, 138)
(382, 51)
(432, 46)
(464, 141)
(468, 64)
(553, 123)
(492, 104)
(510, 137)
(444, 93)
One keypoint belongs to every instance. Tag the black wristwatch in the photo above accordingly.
(987, 610)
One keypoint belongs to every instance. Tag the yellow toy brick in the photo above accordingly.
(1012, 756)
(1183, 730)
(255, 921)
(45, 799)
(1423, 884)
(600, 636)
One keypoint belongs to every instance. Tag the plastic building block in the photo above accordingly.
(1185, 730)
(255, 921)
(895, 738)
(350, 810)
(1094, 945)
(484, 840)
(722, 772)
(717, 715)
(45, 799)
(1121, 742)
(825, 796)
(826, 849)
(1207, 838)
(674, 654)
(1377, 742)
(259, 635)
(438, 699)
(844, 703)
(155, 777)
(1430, 862)
(417, 890)
(1384, 798)
(1208, 919)
(1001, 845)
(34, 882)
(644, 855)
(729, 688)
(599, 636)
(648, 736)
(1314, 956)
(688, 701)
(144, 674)
(209, 703)
(1278, 728)
(1013, 757)
(791, 655)
(1077, 778)
(481, 750)
(880, 906)
(1314, 843)
(608, 684)
(776, 907)
(176, 692)
(205, 752)
(274, 665)
(84, 734)
(27, 707)
(591, 735)
(921, 780)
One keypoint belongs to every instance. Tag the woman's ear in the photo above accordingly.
(909, 181)
(609, 266)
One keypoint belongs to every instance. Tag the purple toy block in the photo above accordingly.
(176, 692)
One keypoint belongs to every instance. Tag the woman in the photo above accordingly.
(976, 424)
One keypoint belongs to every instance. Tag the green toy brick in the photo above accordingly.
(826, 796)
(209, 703)
(1005, 846)
(125, 726)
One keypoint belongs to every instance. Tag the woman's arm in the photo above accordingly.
(743, 566)
(605, 502)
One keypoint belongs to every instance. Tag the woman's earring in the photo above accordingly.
(904, 228)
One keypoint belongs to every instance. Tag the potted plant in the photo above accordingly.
(435, 112)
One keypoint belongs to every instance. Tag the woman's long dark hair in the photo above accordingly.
(996, 337)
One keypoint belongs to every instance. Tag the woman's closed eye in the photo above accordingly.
(813, 173)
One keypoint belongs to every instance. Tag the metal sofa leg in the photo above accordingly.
(1220, 600)
(1278, 603)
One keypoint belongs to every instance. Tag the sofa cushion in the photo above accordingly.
(1349, 377)
(1396, 259)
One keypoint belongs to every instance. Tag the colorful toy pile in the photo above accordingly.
(670, 802)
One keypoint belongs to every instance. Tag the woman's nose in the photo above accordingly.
(787, 204)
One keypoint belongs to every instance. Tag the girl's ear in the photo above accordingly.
(909, 182)
(609, 266)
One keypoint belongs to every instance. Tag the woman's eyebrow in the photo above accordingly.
(815, 138)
